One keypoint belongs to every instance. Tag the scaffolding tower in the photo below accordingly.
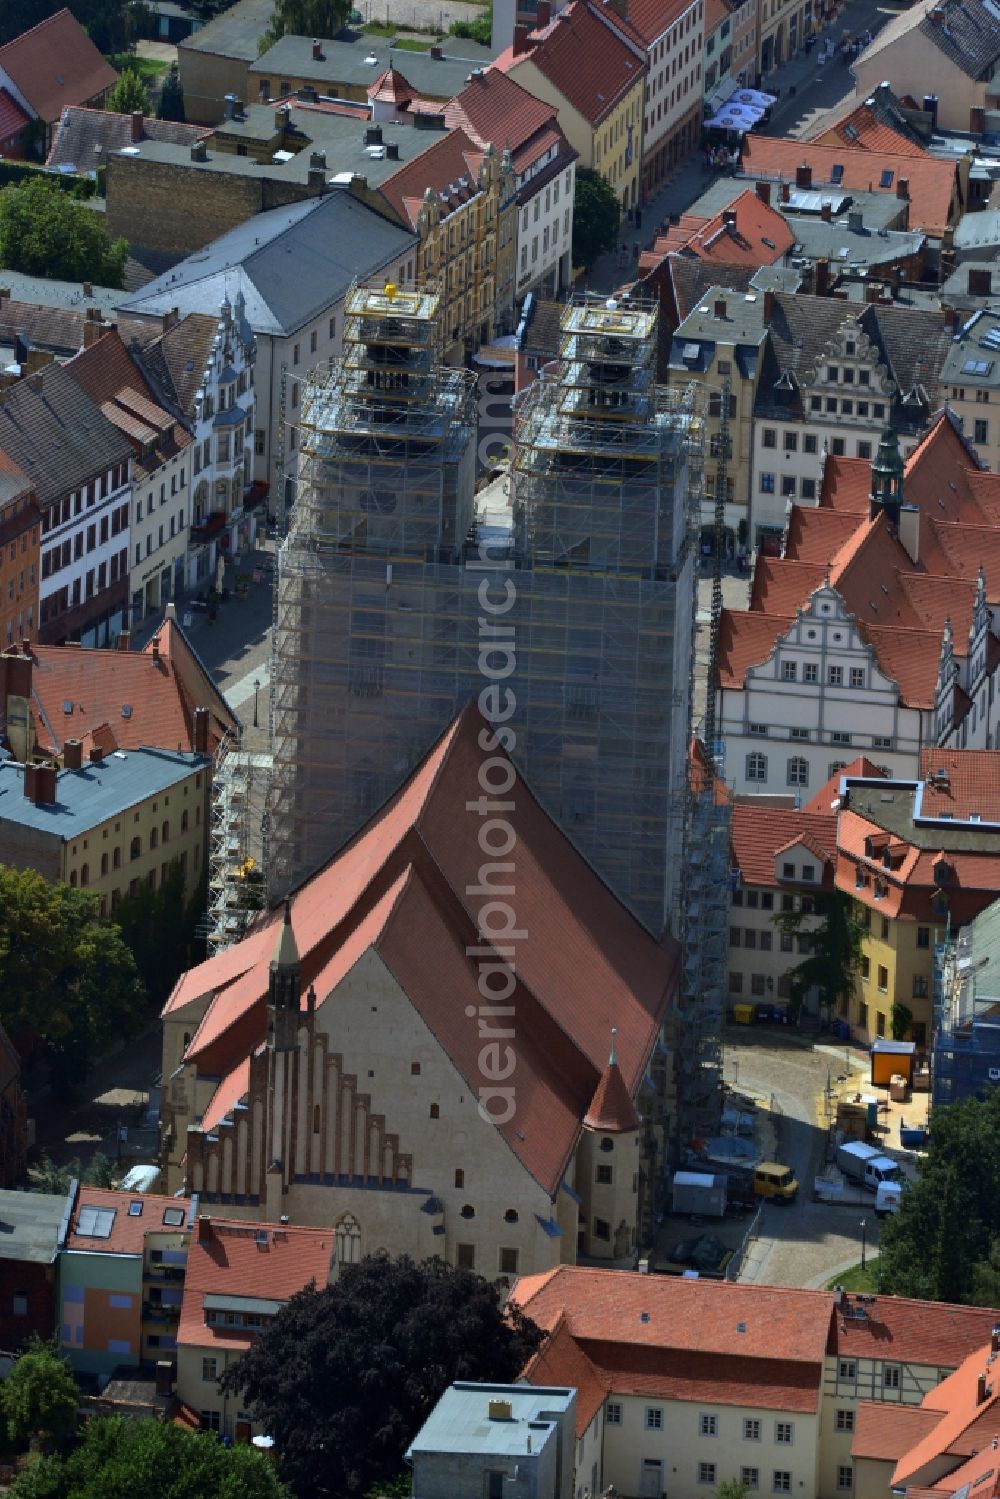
(235, 878)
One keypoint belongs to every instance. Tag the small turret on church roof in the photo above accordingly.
(611, 1108)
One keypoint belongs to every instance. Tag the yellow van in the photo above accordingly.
(743, 1014)
(771, 1179)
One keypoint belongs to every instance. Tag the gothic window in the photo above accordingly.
(348, 1240)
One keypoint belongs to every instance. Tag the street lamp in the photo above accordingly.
(256, 689)
(864, 1231)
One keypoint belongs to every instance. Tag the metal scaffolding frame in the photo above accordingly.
(239, 797)
(377, 634)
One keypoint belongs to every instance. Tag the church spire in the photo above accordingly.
(283, 987)
(887, 478)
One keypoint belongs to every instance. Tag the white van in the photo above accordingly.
(887, 1197)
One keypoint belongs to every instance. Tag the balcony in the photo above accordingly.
(209, 527)
(155, 1311)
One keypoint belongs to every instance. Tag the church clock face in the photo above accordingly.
(378, 501)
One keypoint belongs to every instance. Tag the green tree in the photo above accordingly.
(480, 30)
(900, 1017)
(171, 102)
(43, 232)
(596, 215)
(834, 947)
(160, 929)
(942, 1243)
(39, 1397)
(65, 974)
(128, 95)
(118, 1459)
(344, 1377)
(319, 18)
(731, 1488)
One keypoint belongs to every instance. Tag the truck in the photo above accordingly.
(766, 1179)
(699, 1192)
(866, 1164)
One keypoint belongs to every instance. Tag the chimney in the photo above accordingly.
(91, 332)
(873, 292)
(125, 640)
(902, 187)
(764, 192)
(826, 211)
(977, 120)
(392, 150)
(88, 289)
(950, 318)
(856, 221)
(822, 278)
(137, 123)
(30, 781)
(281, 117)
(18, 674)
(437, 53)
(96, 755)
(4, 295)
(937, 15)
(930, 106)
(980, 281)
(45, 785)
(520, 39)
(199, 151)
(154, 646)
(908, 530)
(169, 319)
(204, 1227)
(768, 305)
(373, 137)
(317, 51)
(995, 1340)
(981, 1388)
(72, 754)
(35, 382)
(543, 15)
(804, 175)
(230, 102)
(786, 192)
(201, 731)
(729, 216)
(164, 1377)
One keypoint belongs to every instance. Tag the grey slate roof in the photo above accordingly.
(974, 356)
(57, 435)
(32, 1225)
(914, 345)
(84, 137)
(289, 263)
(42, 292)
(879, 209)
(969, 35)
(818, 240)
(343, 63)
(89, 796)
(235, 32)
(977, 235)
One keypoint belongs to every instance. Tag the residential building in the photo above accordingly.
(20, 533)
(460, 201)
(719, 81)
(921, 858)
(833, 376)
(782, 27)
(296, 323)
(205, 368)
(496, 1437)
(239, 1275)
(954, 46)
(84, 138)
(119, 821)
(214, 61)
(161, 467)
(34, 330)
(34, 1226)
(80, 465)
(712, 1381)
(343, 68)
(438, 1162)
(49, 695)
(929, 190)
(781, 856)
(743, 64)
(944, 1446)
(45, 69)
(674, 36)
(592, 66)
(966, 1051)
(970, 377)
(121, 1274)
(593, 536)
(748, 232)
(493, 107)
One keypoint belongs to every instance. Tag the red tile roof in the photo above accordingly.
(116, 382)
(973, 784)
(405, 886)
(956, 1398)
(584, 59)
(561, 1361)
(862, 130)
(493, 107)
(746, 640)
(628, 1309)
(128, 1229)
(651, 18)
(451, 158)
(759, 236)
(708, 1378)
(55, 64)
(12, 117)
(759, 833)
(885, 1432)
(611, 1108)
(831, 790)
(932, 182)
(934, 1333)
(227, 1259)
(160, 695)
